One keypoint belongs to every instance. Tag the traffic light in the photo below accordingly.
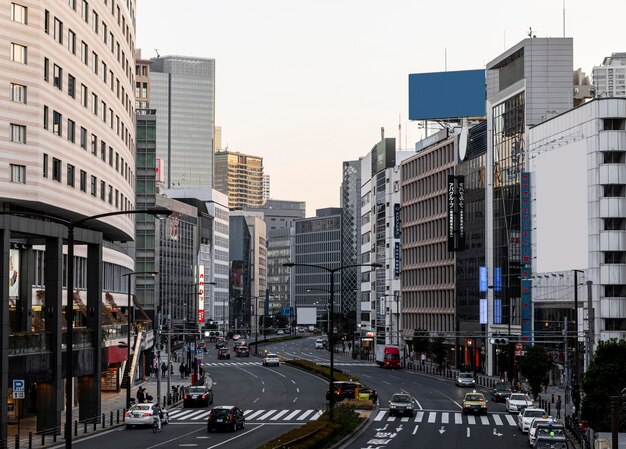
(499, 341)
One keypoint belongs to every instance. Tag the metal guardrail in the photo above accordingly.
(581, 438)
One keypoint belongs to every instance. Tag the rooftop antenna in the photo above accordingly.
(156, 50)
(530, 32)
(399, 131)
(563, 18)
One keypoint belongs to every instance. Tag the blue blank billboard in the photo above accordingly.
(447, 95)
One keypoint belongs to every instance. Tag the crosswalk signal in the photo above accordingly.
(499, 341)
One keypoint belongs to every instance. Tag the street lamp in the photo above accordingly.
(331, 271)
(616, 403)
(131, 324)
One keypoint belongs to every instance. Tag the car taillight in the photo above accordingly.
(127, 414)
(186, 396)
(147, 414)
(339, 391)
(204, 396)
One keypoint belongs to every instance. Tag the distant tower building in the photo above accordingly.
(240, 176)
(142, 81)
(609, 79)
(351, 242)
(218, 138)
(182, 90)
(266, 188)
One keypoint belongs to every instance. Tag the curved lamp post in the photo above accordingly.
(331, 271)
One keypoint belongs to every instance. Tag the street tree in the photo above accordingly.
(535, 365)
(421, 342)
(438, 350)
(605, 377)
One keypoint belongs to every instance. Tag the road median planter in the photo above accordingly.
(320, 370)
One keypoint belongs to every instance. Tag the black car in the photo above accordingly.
(223, 353)
(225, 417)
(501, 391)
(346, 389)
(242, 351)
(198, 396)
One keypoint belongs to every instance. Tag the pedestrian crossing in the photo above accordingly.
(258, 363)
(441, 417)
(263, 415)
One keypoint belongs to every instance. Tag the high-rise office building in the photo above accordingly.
(182, 91)
(609, 79)
(240, 176)
(266, 188)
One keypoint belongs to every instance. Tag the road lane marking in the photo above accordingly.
(432, 417)
(263, 390)
(468, 432)
(258, 412)
(294, 399)
(176, 438)
(297, 390)
(391, 418)
(233, 438)
(188, 445)
(317, 415)
(511, 421)
(385, 382)
(291, 415)
(419, 416)
(418, 404)
(471, 419)
(380, 415)
(304, 415)
(497, 420)
(254, 402)
(458, 419)
(405, 419)
(278, 415)
(248, 372)
(445, 418)
(415, 430)
(293, 381)
(442, 394)
(484, 420)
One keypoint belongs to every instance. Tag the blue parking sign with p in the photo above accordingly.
(18, 385)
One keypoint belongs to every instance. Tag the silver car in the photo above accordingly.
(465, 380)
(143, 415)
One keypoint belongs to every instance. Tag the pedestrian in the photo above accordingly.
(350, 346)
(163, 369)
(149, 397)
(171, 368)
(558, 407)
(187, 371)
(140, 394)
(201, 371)
(181, 370)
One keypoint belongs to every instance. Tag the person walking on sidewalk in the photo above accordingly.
(181, 370)
(163, 369)
(558, 407)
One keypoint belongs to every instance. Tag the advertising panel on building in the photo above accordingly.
(456, 213)
(200, 293)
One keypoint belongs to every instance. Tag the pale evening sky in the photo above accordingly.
(308, 84)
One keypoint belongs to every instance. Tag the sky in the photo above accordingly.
(308, 84)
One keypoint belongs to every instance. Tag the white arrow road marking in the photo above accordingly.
(496, 433)
(415, 430)
(442, 430)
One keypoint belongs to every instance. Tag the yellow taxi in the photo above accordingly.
(474, 403)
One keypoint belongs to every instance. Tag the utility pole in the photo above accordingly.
(591, 317)
(566, 363)
(576, 346)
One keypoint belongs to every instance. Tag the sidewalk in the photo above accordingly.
(112, 408)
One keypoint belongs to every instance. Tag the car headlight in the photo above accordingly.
(392, 406)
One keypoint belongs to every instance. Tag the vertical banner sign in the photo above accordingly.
(396, 255)
(525, 258)
(456, 213)
(483, 310)
(14, 273)
(482, 279)
(266, 303)
(497, 311)
(497, 279)
(396, 221)
(200, 293)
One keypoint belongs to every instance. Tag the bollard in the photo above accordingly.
(17, 442)
(54, 436)
(30, 440)
(111, 420)
(43, 439)
(95, 423)
(549, 407)
(104, 421)
(118, 415)
(85, 429)
(75, 428)
(164, 400)
(123, 414)
(553, 398)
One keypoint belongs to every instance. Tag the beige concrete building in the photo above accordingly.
(240, 176)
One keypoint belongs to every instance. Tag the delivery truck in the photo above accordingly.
(388, 356)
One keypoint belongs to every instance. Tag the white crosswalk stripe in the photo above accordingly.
(252, 415)
(200, 416)
(471, 419)
(419, 416)
(458, 419)
(497, 419)
(278, 415)
(484, 420)
(511, 420)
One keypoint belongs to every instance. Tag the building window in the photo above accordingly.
(58, 77)
(58, 31)
(71, 42)
(71, 130)
(103, 190)
(83, 181)
(95, 21)
(614, 124)
(72, 4)
(94, 104)
(84, 12)
(84, 52)
(18, 133)
(94, 186)
(111, 156)
(94, 144)
(56, 169)
(71, 86)
(57, 117)
(18, 53)
(45, 166)
(110, 195)
(46, 21)
(94, 62)
(46, 69)
(46, 114)
(105, 33)
(18, 93)
(83, 138)
(18, 173)
(19, 13)
(84, 95)
(70, 175)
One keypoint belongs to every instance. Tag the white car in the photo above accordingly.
(526, 416)
(319, 343)
(280, 332)
(465, 380)
(271, 360)
(518, 402)
(143, 415)
(543, 423)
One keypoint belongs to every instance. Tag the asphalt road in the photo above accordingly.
(275, 399)
(438, 421)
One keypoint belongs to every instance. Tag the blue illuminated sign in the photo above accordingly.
(482, 279)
